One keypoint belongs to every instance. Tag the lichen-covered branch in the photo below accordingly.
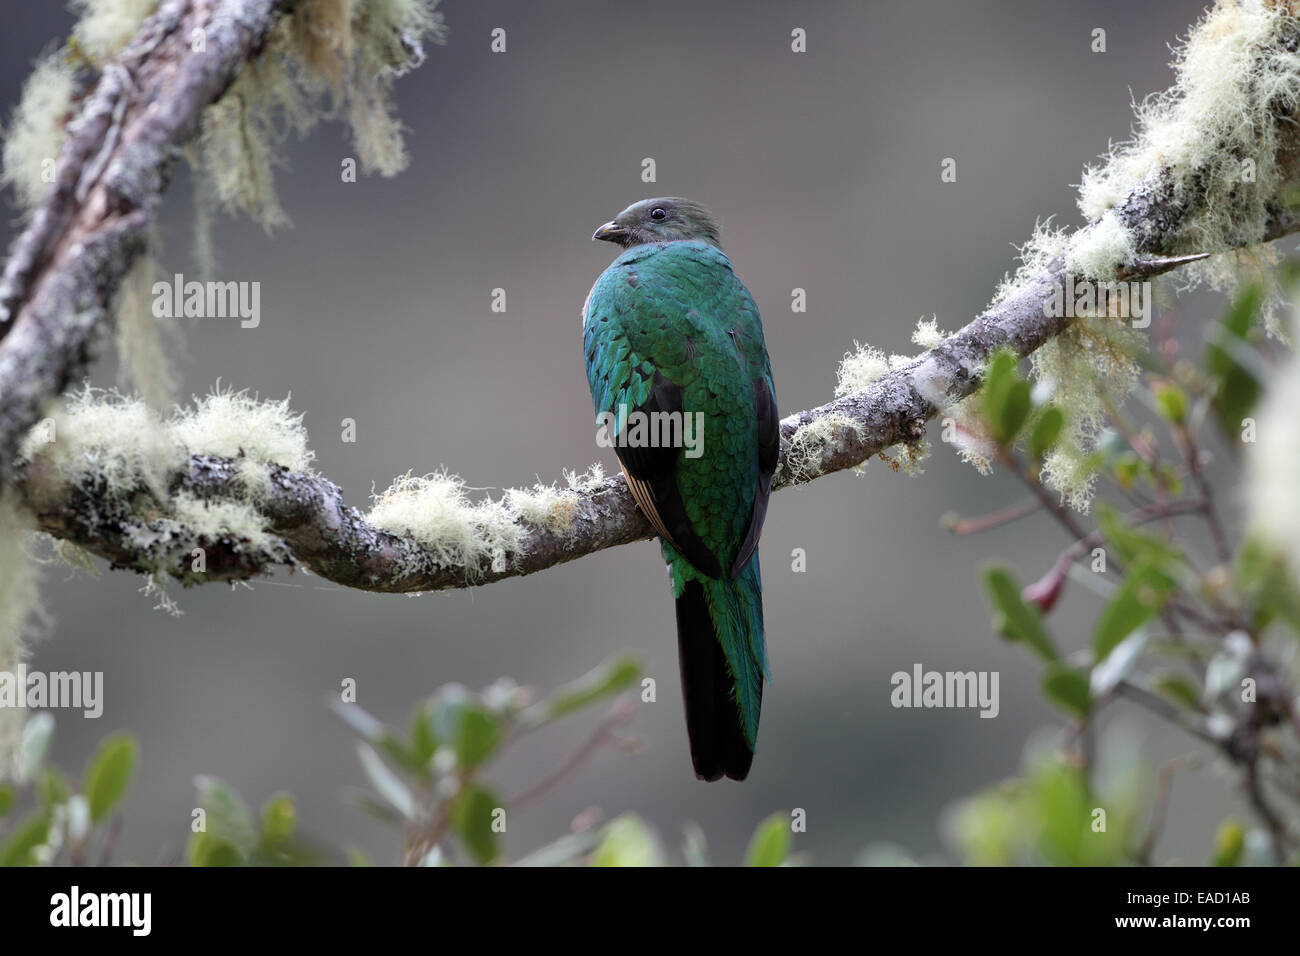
(1202, 187)
(66, 267)
(308, 523)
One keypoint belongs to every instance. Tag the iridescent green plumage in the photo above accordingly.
(669, 328)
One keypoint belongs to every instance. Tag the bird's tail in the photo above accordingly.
(723, 662)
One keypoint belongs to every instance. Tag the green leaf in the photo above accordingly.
(8, 796)
(1006, 398)
(1046, 431)
(229, 836)
(1133, 544)
(209, 850)
(1068, 689)
(33, 746)
(478, 735)
(1064, 812)
(376, 733)
(1229, 843)
(1171, 402)
(53, 788)
(1014, 619)
(605, 681)
(1128, 468)
(1142, 595)
(1267, 587)
(569, 850)
(627, 842)
(474, 816)
(375, 807)
(1238, 320)
(1118, 664)
(424, 739)
(109, 775)
(34, 831)
(389, 785)
(1229, 359)
(1015, 412)
(402, 755)
(770, 844)
(1179, 689)
(357, 857)
(363, 723)
(988, 826)
(279, 819)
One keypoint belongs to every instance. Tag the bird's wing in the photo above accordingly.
(768, 433)
(670, 328)
(632, 349)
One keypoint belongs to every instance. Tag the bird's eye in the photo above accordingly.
(658, 214)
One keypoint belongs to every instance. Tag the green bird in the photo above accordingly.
(668, 328)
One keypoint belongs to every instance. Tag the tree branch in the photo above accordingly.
(80, 242)
(60, 280)
(315, 527)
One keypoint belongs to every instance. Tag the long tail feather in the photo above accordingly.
(721, 650)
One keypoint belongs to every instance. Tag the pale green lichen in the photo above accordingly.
(864, 366)
(106, 26)
(928, 334)
(1044, 244)
(435, 511)
(1092, 358)
(1098, 252)
(803, 459)
(1217, 137)
(255, 478)
(965, 430)
(119, 439)
(235, 156)
(77, 558)
(126, 446)
(586, 481)
(543, 506)
(330, 57)
(143, 363)
(37, 129)
(234, 424)
(909, 458)
(20, 611)
(216, 519)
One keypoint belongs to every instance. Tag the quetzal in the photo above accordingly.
(669, 328)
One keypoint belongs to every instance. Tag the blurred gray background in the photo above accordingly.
(824, 169)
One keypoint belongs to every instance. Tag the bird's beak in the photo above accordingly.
(610, 232)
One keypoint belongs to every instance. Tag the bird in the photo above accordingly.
(669, 328)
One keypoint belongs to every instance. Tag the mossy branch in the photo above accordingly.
(68, 263)
(1175, 196)
(308, 522)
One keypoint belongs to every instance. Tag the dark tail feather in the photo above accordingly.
(718, 744)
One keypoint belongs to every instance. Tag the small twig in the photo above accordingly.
(1165, 709)
(1193, 456)
(1159, 810)
(1276, 826)
(622, 712)
(110, 839)
(1058, 510)
(997, 519)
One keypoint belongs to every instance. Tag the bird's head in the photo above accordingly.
(660, 220)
